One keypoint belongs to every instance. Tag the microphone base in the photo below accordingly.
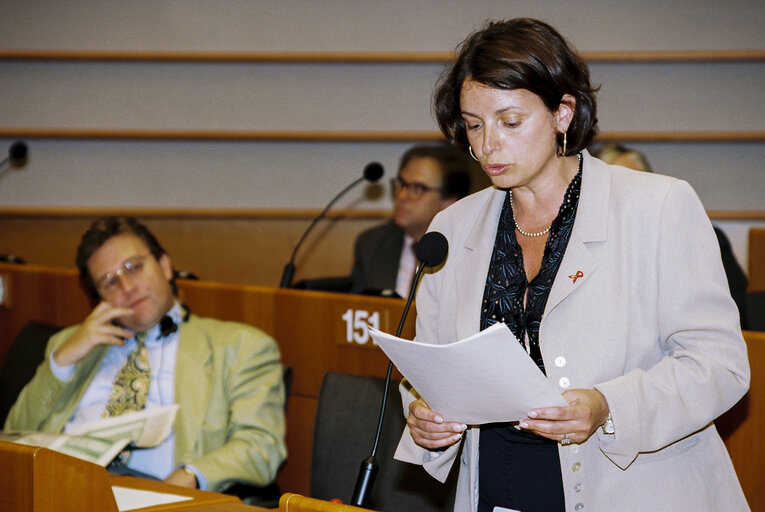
(364, 482)
(287, 274)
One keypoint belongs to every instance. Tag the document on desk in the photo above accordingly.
(132, 499)
(101, 440)
(485, 378)
(146, 428)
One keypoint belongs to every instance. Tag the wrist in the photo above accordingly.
(188, 472)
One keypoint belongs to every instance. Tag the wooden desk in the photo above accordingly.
(36, 479)
(229, 507)
(200, 499)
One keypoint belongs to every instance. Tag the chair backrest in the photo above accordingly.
(755, 309)
(338, 284)
(346, 422)
(287, 377)
(24, 356)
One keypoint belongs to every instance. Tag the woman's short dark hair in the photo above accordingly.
(102, 230)
(521, 53)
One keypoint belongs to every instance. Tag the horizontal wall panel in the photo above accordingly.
(722, 174)
(302, 97)
(344, 97)
(697, 96)
(301, 174)
(392, 25)
(197, 174)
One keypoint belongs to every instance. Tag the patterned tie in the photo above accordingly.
(131, 386)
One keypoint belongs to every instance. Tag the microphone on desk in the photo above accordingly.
(373, 171)
(17, 154)
(431, 252)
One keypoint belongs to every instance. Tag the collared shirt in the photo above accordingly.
(157, 461)
(407, 266)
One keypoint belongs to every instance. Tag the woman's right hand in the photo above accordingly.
(429, 429)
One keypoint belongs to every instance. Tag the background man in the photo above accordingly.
(226, 377)
(429, 179)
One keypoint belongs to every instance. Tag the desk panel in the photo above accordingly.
(200, 500)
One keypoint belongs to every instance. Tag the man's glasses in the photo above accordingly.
(109, 283)
(414, 189)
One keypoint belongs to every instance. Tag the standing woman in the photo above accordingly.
(612, 281)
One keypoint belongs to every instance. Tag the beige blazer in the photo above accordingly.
(229, 386)
(650, 323)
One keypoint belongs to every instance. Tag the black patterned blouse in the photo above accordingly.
(506, 282)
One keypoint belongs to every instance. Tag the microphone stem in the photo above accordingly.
(289, 268)
(369, 467)
(366, 478)
(390, 363)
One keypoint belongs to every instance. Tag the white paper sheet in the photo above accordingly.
(485, 378)
(147, 428)
(131, 499)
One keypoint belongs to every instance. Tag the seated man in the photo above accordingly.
(140, 348)
(429, 179)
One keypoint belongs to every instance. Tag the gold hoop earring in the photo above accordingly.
(470, 150)
(564, 143)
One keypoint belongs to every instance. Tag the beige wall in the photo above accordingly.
(350, 97)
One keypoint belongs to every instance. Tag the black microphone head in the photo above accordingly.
(432, 249)
(373, 171)
(17, 153)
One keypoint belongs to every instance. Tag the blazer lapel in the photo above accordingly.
(590, 230)
(473, 268)
(192, 385)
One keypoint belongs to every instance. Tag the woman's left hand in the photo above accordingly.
(587, 410)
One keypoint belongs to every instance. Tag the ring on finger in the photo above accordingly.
(566, 440)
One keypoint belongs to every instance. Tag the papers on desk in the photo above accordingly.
(485, 378)
(91, 449)
(100, 441)
(146, 428)
(131, 499)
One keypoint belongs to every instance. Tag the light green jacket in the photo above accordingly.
(228, 383)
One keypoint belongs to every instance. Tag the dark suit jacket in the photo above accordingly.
(377, 253)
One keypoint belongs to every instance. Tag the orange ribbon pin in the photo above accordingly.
(576, 276)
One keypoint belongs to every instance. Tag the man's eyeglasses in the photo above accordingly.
(414, 189)
(109, 283)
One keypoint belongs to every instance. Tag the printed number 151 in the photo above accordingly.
(357, 324)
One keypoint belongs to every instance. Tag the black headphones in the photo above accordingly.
(167, 325)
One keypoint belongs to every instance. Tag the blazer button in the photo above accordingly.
(560, 361)
(564, 382)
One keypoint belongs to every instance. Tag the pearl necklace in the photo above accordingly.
(526, 233)
(538, 233)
